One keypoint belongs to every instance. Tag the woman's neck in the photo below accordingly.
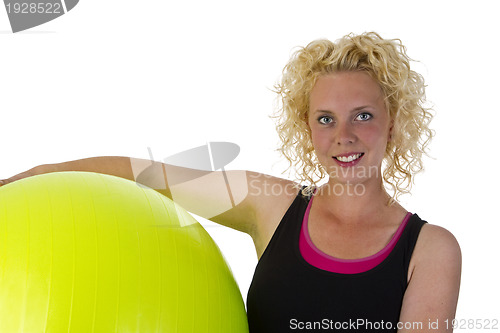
(354, 202)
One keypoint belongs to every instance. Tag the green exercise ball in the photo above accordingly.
(87, 252)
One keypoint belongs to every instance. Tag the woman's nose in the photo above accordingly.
(345, 134)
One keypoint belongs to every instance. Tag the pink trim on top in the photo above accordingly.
(319, 259)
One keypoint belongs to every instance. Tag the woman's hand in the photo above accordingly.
(38, 170)
(117, 166)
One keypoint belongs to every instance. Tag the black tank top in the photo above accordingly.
(287, 294)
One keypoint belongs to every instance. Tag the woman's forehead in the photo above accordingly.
(346, 90)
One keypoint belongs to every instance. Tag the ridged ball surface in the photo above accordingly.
(86, 252)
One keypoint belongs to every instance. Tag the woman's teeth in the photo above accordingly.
(348, 158)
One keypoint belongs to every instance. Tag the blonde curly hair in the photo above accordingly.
(384, 60)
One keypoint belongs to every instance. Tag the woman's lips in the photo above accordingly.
(350, 159)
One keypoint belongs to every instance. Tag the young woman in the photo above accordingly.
(343, 255)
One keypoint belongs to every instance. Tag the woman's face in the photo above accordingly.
(350, 126)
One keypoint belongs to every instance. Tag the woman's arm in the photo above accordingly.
(204, 193)
(430, 301)
(241, 200)
(110, 165)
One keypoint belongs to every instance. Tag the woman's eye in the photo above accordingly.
(325, 120)
(364, 116)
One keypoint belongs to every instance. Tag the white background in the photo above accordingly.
(115, 77)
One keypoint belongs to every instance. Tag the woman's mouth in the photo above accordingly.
(348, 159)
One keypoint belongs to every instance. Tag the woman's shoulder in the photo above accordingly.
(264, 186)
(436, 248)
(434, 277)
(270, 193)
(433, 237)
(271, 197)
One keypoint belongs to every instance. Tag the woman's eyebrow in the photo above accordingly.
(323, 111)
(358, 108)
